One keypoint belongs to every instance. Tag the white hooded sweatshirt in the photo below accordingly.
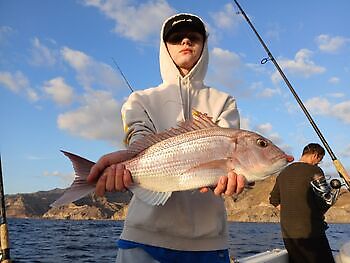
(189, 220)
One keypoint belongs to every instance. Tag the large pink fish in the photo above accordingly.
(191, 156)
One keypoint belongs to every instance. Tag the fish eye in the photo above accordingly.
(261, 142)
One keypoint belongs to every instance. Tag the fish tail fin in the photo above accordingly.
(81, 165)
(80, 187)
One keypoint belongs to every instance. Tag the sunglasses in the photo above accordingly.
(177, 37)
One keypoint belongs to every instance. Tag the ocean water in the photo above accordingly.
(66, 241)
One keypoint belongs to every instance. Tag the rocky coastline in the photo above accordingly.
(250, 206)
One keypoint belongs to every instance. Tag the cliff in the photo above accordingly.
(37, 205)
(253, 205)
(250, 206)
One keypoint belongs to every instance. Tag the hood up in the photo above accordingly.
(170, 73)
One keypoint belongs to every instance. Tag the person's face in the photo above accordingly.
(185, 48)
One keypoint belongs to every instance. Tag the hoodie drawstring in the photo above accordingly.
(185, 101)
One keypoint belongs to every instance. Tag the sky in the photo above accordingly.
(60, 89)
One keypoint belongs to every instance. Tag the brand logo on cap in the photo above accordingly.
(181, 20)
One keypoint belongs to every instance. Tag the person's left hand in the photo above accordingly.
(231, 184)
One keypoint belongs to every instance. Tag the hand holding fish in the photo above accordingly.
(110, 173)
(114, 178)
(228, 185)
(105, 161)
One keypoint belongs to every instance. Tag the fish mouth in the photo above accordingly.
(283, 156)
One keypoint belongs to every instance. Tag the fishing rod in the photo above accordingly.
(131, 89)
(4, 237)
(121, 73)
(336, 162)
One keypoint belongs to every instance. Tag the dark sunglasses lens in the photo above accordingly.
(176, 38)
(194, 37)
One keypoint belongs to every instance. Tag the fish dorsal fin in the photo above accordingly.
(200, 121)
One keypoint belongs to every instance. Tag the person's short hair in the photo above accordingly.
(312, 148)
(183, 21)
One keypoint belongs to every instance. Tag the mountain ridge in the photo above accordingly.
(250, 206)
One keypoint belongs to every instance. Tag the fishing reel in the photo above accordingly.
(328, 192)
(338, 183)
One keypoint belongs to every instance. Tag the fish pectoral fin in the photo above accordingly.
(204, 174)
(150, 197)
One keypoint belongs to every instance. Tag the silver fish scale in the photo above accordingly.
(170, 164)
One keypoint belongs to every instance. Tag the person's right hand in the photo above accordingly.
(109, 174)
(230, 184)
(114, 178)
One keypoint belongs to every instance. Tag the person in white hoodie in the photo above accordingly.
(191, 226)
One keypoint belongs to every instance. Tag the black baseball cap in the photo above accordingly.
(180, 21)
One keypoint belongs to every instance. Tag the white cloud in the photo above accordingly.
(274, 32)
(64, 177)
(18, 83)
(261, 92)
(288, 149)
(291, 106)
(334, 80)
(36, 158)
(91, 121)
(245, 123)
(330, 44)
(226, 58)
(224, 68)
(346, 152)
(337, 95)
(275, 138)
(41, 55)
(32, 95)
(76, 59)
(302, 65)
(5, 32)
(264, 128)
(91, 73)
(268, 93)
(59, 91)
(138, 23)
(318, 105)
(14, 82)
(322, 106)
(342, 111)
(226, 19)
(256, 67)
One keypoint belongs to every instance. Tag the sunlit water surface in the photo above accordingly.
(53, 241)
